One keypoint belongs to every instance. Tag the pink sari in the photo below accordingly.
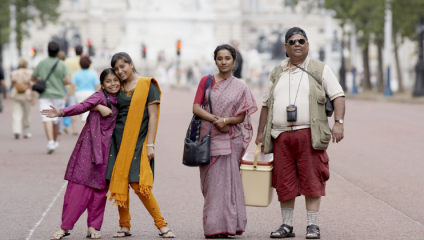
(224, 211)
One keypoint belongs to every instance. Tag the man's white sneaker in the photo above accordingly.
(56, 144)
(51, 146)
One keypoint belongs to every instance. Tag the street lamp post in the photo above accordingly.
(419, 68)
(353, 59)
(388, 46)
(342, 71)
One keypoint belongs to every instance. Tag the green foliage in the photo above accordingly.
(4, 21)
(368, 16)
(26, 11)
(405, 17)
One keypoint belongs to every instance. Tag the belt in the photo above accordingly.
(292, 128)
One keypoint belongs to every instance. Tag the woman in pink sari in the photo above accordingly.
(224, 212)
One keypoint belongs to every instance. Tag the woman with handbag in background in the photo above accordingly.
(132, 151)
(224, 212)
(21, 97)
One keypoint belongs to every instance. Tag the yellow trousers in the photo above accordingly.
(150, 204)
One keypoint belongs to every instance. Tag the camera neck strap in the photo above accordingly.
(297, 87)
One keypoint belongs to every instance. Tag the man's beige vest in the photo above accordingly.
(320, 130)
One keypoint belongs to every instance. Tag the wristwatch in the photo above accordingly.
(339, 121)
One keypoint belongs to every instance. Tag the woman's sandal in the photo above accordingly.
(163, 233)
(90, 235)
(62, 235)
(126, 234)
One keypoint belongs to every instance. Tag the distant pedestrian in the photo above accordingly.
(239, 63)
(21, 99)
(86, 171)
(54, 93)
(3, 89)
(224, 211)
(63, 122)
(262, 79)
(297, 130)
(86, 83)
(73, 63)
(132, 163)
(61, 55)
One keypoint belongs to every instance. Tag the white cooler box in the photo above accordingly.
(256, 175)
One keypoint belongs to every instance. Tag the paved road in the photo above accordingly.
(375, 190)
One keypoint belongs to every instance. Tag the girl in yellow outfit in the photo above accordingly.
(131, 158)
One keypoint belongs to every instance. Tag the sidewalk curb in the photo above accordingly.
(378, 97)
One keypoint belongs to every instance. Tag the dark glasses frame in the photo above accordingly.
(301, 41)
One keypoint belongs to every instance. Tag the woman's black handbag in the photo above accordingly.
(197, 153)
(40, 86)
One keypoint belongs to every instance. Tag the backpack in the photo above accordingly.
(21, 86)
(21, 79)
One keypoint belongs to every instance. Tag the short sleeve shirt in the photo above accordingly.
(55, 87)
(85, 80)
(293, 88)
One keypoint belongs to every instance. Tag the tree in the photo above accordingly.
(405, 13)
(33, 10)
(4, 25)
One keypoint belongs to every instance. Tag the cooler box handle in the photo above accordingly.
(255, 159)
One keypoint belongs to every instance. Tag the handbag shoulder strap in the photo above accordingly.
(208, 83)
(51, 70)
(210, 104)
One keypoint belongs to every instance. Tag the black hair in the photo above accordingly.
(78, 50)
(225, 47)
(103, 75)
(124, 57)
(53, 48)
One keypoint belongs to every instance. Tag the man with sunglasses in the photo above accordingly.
(293, 126)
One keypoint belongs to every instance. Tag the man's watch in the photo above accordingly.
(339, 121)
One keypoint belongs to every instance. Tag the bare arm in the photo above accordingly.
(339, 112)
(67, 80)
(3, 84)
(151, 129)
(35, 79)
(230, 121)
(103, 110)
(262, 123)
(202, 113)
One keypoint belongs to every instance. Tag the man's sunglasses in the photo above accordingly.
(300, 41)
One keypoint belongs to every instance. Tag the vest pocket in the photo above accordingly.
(320, 95)
(324, 168)
(325, 133)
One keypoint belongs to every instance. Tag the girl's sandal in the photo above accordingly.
(164, 233)
(90, 235)
(126, 234)
(60, 235)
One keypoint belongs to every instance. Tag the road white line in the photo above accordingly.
(383, 202)
(47, 210)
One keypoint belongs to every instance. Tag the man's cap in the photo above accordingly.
(293, 31)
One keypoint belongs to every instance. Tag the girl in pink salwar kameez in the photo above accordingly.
(224, 212)
(86, 171)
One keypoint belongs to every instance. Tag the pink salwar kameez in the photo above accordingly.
(86, 171)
